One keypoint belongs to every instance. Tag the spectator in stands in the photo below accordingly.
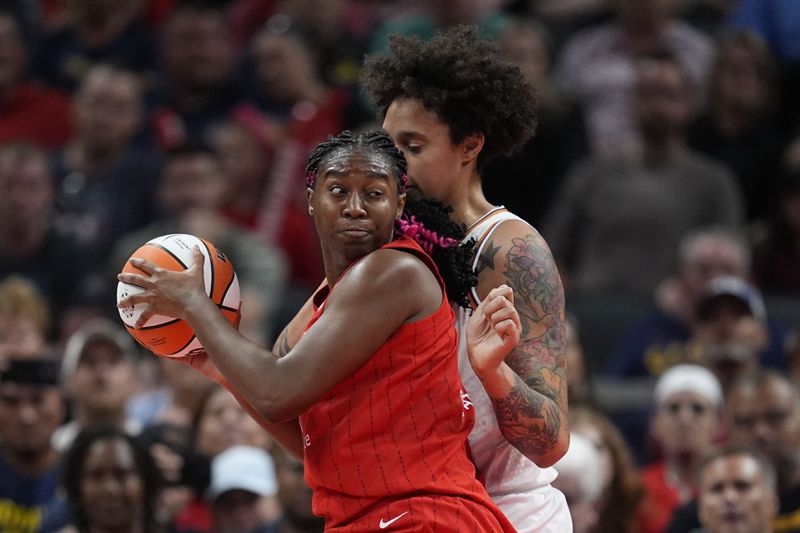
(112, 483)
(105, 181)
(580, 478)
(620, 504)
(441, 14)
(687, 403)
(763, 413)
(31, 407)
(294, 496)
(32, 246)
(658, 341)
(30, 112)
(199, 85)
(98, 370)
(598, 67)
(731, 334)
(737, 492)
(222, 423)
(777, 22)
(190, 192)
(527, 182)
(261, 195)
(612, 215)
(92, 32)
(776, 252)
(243, 491)
(176, 400)
(336, 33)
(24, 319)
(737, 128)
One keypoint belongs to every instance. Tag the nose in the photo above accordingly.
(354, 207)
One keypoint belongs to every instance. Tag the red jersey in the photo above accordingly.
(387, 447)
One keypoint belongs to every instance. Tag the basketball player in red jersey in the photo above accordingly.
(374, 379)
(452, 104)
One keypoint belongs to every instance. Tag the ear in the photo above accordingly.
(471, 147)
(401, 204)
(309, 200)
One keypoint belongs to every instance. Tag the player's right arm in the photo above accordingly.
(288, 433)
(354, 326)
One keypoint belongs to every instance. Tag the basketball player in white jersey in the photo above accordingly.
(451, 105)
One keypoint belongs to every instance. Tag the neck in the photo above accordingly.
(663, 150)
(681, 471)
(32, 464)
(468, 203)
(86, 417)
(135, 527)
(732, 122)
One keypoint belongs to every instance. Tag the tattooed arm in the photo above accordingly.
(528, 390)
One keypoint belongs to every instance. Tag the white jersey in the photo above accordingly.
(517, 485)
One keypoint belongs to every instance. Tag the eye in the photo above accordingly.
(336, 189)
(374, 194)
(414, 148)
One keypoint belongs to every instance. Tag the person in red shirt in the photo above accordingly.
(374, 379)
(28, 111)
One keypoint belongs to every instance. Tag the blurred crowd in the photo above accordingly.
(665, 175)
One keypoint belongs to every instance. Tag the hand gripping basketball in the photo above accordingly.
(166, 292)
(165, 277)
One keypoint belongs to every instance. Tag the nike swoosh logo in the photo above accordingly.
(384, 525)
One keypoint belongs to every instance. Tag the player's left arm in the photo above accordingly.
(528, 390)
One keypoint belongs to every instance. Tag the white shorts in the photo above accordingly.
(542, 510)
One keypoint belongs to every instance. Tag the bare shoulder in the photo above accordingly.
(391, 274)
(517, 255)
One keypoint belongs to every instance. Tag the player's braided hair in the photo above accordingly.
(378, 140)
(426, 221)
(465, 80)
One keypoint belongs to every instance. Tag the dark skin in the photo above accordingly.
(354, 205)
(529, 388)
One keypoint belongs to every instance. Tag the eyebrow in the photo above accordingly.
(411, 133)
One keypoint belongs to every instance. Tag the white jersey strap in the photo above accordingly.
(481, 231)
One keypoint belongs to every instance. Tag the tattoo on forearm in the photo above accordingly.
(531, 415)
(531, 435)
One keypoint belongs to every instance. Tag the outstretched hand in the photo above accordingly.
(493, 330)
(166, 292)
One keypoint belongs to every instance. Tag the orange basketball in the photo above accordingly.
(168, 336)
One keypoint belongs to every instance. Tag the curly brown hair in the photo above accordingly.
(465, 80)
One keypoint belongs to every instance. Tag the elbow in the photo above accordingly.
(552, 455)
(276, 410)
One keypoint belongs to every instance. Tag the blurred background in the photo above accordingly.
(665, 175)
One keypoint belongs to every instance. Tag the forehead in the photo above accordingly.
(741, 467)
(349, 159)
(110, 451)
(21, 391)
(407, 116)
(686, 397)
